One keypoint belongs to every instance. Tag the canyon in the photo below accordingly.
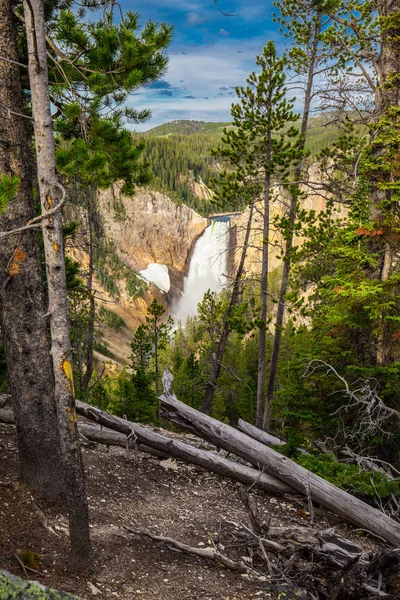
(177, 254)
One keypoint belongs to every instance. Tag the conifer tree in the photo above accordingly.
(158, 334)
(302, 24)
(99, 64)
(238, 187)
(363, 40)
(265, 115)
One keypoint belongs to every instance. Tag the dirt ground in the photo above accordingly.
(185, 502)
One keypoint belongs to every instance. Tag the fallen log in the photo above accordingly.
(112, 438)
(319, 490)
(96, 434)
(263, 436)
(259, 435)
(120, 430)
(208, 460)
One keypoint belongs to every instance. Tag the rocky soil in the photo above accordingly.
(173, 499)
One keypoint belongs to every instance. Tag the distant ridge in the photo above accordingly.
(179, 127)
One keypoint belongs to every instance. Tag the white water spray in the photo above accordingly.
(207, 271)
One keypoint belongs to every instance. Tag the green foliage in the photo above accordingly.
(141, 346)
(181, 162)
(103, 60)
(102, 347)
(180, 157)
(133, 396)
(110, 318)
(13, 588)
(110, 269)
(9, 185)
(127, 395)
(349, 477)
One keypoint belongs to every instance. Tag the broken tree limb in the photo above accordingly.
(209, 553)
(263, 436)
(208, 460)
(259, 435)
(321, 491)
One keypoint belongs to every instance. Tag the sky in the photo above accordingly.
(210, 54)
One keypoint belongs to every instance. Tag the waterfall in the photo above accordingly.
(207, 270)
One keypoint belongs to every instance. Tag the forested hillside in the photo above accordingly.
(180, 156)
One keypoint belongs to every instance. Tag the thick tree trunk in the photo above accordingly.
(57, 292)
(289, 237)
(387, 95)
(22, 297)
(326, 494)
(210, 388)
(212, 462)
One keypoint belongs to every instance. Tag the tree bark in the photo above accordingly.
(210, 388)
(92, 308)
(290, 235)
(49, 190)
(262, 408)
(22, 297)
(319, 490)
(259, 434)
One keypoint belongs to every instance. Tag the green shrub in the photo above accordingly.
(111, 319)
(350, 477)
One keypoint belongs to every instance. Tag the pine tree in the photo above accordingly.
(264, 116)
(158, 334)
(99, 64)
(302, 24)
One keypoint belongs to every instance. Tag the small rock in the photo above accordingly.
(273, 501)
(169, 464)
(93, 589)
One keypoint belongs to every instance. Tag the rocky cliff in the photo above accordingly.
(313, 200)
(148, 234)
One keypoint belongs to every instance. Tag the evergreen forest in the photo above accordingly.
(290, 374)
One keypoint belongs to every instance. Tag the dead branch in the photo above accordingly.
(209, 553)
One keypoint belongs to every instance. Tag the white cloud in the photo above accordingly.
(224, 32)
(195, 19)
(210, 74)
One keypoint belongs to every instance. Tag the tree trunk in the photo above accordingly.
(210, 388)
(387, 95)
(326, 494)
(22, 297)
(55, 269)
(92, 308)
(262, 342)
(259, 434)
(289, 238)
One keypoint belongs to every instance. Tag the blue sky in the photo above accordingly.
(210, 55)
